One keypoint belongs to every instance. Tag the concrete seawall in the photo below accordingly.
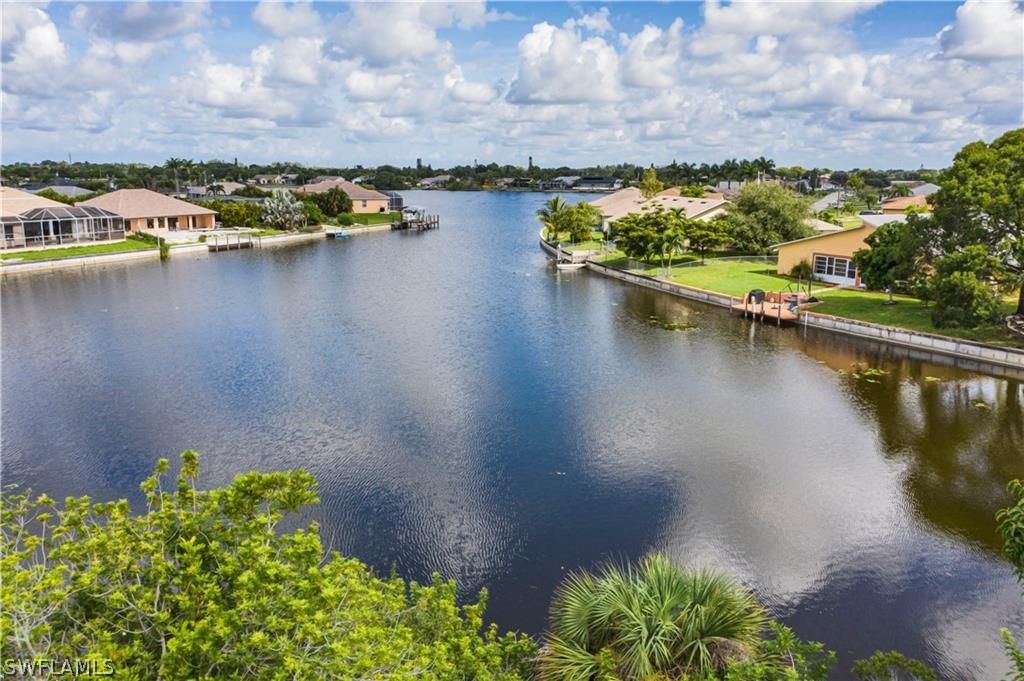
(81, 262)
(969, 355)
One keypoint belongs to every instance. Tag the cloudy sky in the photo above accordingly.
(832, 84)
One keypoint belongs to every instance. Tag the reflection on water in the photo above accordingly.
(468, 409)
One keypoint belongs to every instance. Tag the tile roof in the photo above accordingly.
(15, 202)
(143, 203)
(354, 191)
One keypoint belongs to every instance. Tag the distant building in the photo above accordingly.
(436, 182)
(598, 184)
(631, 201)
(330, 178)
(266, 179)
(31, 221)
(561, 182)
(926, 189)
(363, 200)
(900, 204)
(64, 189)
(147, 210)
(203, 191)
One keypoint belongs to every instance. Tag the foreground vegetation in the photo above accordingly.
(131, 243)
(203, 585)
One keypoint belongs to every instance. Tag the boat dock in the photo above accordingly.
(230, 242)
(773, 306)
(418, 221)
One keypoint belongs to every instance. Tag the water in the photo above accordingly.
(468, 409)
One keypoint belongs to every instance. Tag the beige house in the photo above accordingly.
(902, 203)
(629, 200)
(363, 200)
(830, 254)
(143, 209)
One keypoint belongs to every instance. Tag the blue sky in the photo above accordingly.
(831, 84)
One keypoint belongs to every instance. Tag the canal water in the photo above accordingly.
(470, 410)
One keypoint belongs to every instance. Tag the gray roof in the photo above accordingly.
(926, 189)
(879, 220)
(65, 189)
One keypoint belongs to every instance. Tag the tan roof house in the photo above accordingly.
(901, 203)
(363, 200)
(30, 221)
(145, 209)
(629, 200)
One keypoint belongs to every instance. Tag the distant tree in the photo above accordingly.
(650, 185)
(215, 189)
(707, 235)
(762, 215)
(892, 666)
(840, 177)
(55, 196)
(251, 191)
(175, 165)
(581, 220)
(900, 189)
(695, 191)
(333, 202)
(672, 242)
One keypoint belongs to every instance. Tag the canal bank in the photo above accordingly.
(974, 356)
(87, 261)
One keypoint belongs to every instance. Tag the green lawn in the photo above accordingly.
(128, 244)
(732, 277)
(375, 218)
(267, 232)
(907, 313)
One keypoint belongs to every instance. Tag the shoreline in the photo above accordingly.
(969, 355)
(84, 261)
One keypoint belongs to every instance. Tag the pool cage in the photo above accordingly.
(60, 226)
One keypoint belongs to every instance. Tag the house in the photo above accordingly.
(821, 226)
(363, 200)
(630, 200)
(395, 201)
(522, 183)
(830, 254)
(203, 192)
(266, 179)
(436, 182)
(926, 189)
(31, 221)
(900, 204)
(330, 178)
(561, 182)
(143, 209)
(598, 184)
(64, 189)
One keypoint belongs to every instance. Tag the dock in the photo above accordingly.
(418, 221)
(230, 242)
(773, 306)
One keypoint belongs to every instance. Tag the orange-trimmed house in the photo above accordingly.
(143, 209)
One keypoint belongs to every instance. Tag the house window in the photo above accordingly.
(830, 266)
(364, 203)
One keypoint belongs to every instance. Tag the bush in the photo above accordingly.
(346, 219)
(201, 584)
(165, 249)
(333, 202)
(959, 288)
(145, 237)
(202, 238)
(251, 191)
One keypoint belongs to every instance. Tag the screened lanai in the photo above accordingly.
(66, 225)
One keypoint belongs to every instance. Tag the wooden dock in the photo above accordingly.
(230, 242)
(420, 222)
(771, 306)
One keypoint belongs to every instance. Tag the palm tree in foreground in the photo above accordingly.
(651, 620)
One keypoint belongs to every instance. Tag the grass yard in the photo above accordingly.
(129, 244)
(375, 218)
(267, 232)
(732, 277)
(908, 313)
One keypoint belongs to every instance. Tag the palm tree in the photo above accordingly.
(652, 620)
(673, 242)
(174, 165)
(899, 190)
(552, 216)
(215, 189)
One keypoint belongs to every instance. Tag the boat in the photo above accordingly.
(571, 265)
(341, 235)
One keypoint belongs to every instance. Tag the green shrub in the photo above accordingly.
(960, 291)
(346, 219)
(201, 583)
(202, 238)
(892, 666)
(144, 236)
(165, 249)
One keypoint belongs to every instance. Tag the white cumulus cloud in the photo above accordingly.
(985, 30)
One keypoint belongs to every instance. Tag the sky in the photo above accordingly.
(840, 84)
